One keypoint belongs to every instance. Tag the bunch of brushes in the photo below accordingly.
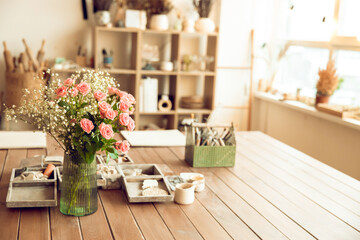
(203, 7)
(209, 136)
(26, 62)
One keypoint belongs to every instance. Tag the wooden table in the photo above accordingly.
(273, 192)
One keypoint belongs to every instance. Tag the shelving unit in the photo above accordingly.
(127, 43)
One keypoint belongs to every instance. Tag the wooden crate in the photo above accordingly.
(37, 193)
(133, 189)
(123, 159)
(209, 156)
(148, 169)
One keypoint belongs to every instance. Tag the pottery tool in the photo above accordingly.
(41, 52)
(8, 59)
(14, 62)
(31, 69)
(29, 52)
(25, 61)
(49, 169)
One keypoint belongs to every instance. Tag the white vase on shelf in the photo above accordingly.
(205, 25)
(102, 18)
(159, 22)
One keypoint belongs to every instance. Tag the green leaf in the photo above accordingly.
(107, 157)
(114, 155)
(111, 150)
(64, 104)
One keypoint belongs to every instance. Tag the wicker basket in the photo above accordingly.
(209, 156)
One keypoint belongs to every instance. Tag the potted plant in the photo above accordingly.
(102, 13)
(135, 14)
(82, 118)
(204, 23)
(158, 10)
(327, 84)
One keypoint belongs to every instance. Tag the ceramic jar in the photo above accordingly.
(205, 25)
(189, 25)
(184, 193)
(159, 22)
(102, 18)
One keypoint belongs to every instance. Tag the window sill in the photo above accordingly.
(298, 106)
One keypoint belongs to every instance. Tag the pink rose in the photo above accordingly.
(104, 107)
(61, 91)
(84, 88)
(99, 96)
(129, 98)
(112, 90)
(124, 146)
(120, 93)
(68, 82)
(86, 125)
(124, 119)
(106, 131)
(117, 145)
(73, 92)
(124, 106)
(111, 114)
(131, 125)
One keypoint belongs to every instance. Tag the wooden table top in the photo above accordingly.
(273, 192)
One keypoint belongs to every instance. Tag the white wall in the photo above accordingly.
(330, 142)
(60, 23)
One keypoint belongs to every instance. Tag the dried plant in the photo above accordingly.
(203, 7)
(328, 80)
(136, 4)
(102, 5)
(158, 6)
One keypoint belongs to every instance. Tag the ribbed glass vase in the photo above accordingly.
(78, 195)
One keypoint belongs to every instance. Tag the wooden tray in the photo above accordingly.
(150, 169)
(335, 110)
(36, 193)
(123, 159)
(133, 189)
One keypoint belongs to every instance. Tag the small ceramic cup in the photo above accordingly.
(184, 193)
(199, 182)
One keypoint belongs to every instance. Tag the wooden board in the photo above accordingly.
(155, 138)
(336, 111)
(21, 139)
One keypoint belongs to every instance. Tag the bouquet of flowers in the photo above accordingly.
(82, 113)
(82, 117)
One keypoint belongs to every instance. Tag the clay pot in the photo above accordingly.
(322, 99)
(205, 25)
(159, 22)
(102, 18)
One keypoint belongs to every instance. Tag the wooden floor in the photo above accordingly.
(273, 192)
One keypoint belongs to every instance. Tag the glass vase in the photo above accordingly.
(78, 195)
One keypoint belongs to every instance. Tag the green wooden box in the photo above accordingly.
(209, 156)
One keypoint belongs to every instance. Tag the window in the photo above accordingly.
(310, 20)
(313, 36)
(349, 18)
(299, 69)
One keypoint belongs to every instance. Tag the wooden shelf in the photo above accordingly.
(197, 73)
(119, 71)
(198, 110)
(135, 30)
(172, 112)
(127, 53)
(117, 29)
(157, 72)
